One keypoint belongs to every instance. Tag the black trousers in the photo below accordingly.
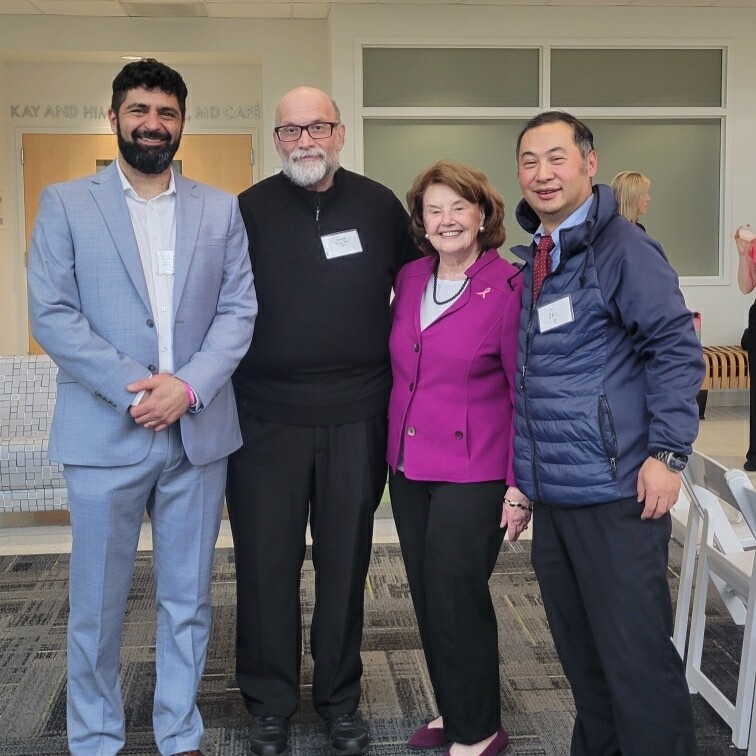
(281, 475)
(603, 577)
(450, 537)
(751, 454)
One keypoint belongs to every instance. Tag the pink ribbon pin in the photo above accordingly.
(484, 292)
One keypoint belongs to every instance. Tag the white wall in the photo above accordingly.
(724, 308)
(49, 61)
(280, 54)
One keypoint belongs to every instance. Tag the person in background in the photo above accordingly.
(453, 356)
(745, 241)
(605, 417)
(313, 391)
(631, 192)
(140, 290)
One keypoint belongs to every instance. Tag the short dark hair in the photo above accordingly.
(149, 74)
(469, 183)
(581, 134)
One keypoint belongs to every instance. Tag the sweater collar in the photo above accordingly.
(313, 197)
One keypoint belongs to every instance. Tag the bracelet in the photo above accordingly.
(190, 395)
(519, 505)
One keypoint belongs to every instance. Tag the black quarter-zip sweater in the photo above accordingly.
(319, 354)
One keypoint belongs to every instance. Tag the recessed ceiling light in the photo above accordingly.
(131, 57)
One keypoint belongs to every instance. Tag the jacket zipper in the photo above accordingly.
(523, 373)
(604, 405)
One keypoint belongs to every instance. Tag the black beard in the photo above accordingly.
(148, 160)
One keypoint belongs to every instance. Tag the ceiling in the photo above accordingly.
(286, 8)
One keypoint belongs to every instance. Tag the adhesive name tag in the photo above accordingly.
(341, 244)
(555, 314)
(165, 258)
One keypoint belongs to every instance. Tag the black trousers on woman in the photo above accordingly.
(751, 455)
(450, 538)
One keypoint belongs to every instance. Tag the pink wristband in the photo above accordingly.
(190, 395)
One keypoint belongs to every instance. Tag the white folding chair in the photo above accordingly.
(734, 566)
(686, 523)
(703, 478)
(738, 481)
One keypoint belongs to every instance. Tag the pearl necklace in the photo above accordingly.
(452, 297)
(457, 293)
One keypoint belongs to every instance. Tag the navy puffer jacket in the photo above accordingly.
(596, 395)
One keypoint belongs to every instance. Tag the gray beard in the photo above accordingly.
(307, 174)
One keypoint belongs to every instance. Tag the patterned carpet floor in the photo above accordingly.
(536, 702)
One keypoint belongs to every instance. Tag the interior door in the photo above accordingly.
(222, 160)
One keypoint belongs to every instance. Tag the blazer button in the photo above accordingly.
(412, 386)
(151, 323)
(411, 430)
(416, 347)
(458, 434)
(152, 368)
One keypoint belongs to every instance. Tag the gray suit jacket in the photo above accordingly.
(90, 310)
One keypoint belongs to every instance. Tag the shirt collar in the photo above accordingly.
(129, 189)
(577, 217)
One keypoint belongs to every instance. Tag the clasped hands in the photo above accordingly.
(163, 403)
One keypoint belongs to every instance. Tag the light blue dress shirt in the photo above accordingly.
(570, 222)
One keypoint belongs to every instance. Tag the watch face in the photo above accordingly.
(676, 463)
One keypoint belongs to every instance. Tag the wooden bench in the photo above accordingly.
(726, 368)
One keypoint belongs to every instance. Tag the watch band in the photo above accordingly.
(675, 461)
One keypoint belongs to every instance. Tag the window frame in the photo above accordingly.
(721, 113)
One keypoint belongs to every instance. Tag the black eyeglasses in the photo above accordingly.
(290, 132)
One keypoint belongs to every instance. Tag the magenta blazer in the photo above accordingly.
(453, 395)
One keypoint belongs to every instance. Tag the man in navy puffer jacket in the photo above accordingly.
(605, 417)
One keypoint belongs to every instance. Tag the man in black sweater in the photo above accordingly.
(326, 245)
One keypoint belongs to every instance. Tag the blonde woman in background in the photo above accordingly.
(631, 190)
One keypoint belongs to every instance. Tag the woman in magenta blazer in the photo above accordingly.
(453, 355)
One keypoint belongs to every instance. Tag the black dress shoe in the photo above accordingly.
(270, 737)
(749, 466)
(347, 736)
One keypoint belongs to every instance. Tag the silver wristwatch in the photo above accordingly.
(675, 461)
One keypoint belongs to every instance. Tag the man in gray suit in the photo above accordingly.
(141, 291)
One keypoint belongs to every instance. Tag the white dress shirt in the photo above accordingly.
(154, 223)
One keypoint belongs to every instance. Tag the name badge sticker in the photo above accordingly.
(555, 314)
(165, 259)
(341, 244)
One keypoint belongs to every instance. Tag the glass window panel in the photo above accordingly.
(450, 77)
(636, 78)
(676, 154)
(397, 150)
(682, 159)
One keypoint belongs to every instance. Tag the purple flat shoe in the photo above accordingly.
(496, 747)
(428, 737)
